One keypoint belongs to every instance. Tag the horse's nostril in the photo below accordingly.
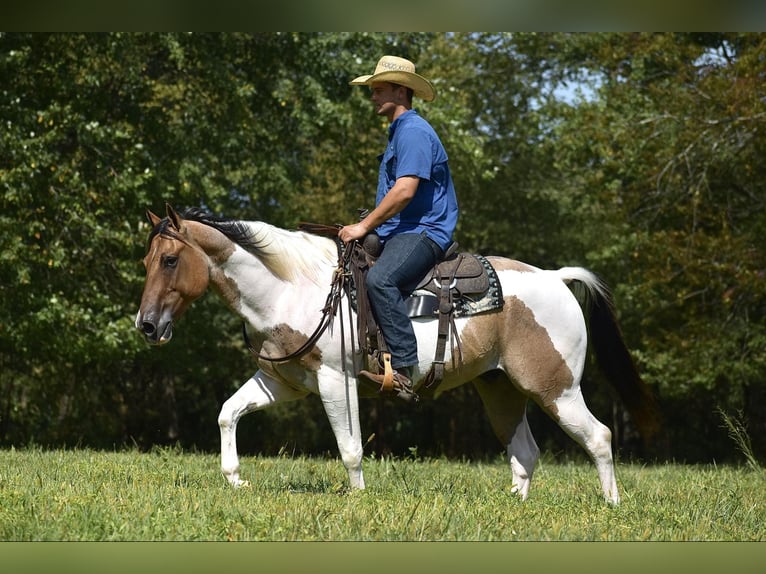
(148, 328)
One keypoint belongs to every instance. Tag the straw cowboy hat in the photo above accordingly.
(398, 71)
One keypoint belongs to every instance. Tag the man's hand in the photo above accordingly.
(349, 233)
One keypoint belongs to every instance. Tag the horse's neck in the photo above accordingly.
(252, 287)
(244, 279)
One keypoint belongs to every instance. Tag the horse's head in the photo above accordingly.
(176, 274)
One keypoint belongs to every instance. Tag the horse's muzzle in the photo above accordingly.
(156, 332)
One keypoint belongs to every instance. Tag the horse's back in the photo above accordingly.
(544, 291)
(543, 301)
(540, 324)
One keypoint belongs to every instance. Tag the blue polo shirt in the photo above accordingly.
(414, 149)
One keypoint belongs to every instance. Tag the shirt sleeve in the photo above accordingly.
(413, 154)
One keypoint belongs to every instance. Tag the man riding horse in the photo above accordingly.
(415, 215)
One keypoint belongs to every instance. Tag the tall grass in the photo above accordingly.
(173, 495)
(737, 429)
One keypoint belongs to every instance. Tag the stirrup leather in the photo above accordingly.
(388, 373)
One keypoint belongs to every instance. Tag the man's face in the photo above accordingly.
(386, 98)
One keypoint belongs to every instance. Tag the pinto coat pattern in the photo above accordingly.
(277, 280)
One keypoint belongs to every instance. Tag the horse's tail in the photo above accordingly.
(611, 353)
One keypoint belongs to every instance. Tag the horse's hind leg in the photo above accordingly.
(572, 414)
(506, 408)
(259, 392)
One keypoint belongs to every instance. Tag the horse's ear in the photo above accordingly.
(153, 219)
(175, 219)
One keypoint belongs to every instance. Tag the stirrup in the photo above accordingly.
(391, 381)
(402, 386)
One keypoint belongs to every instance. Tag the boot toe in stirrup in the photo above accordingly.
(402, 386)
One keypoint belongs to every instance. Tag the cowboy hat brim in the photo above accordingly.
(421, 87)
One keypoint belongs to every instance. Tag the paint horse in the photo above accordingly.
(278, 280)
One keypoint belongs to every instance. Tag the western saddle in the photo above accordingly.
(457, 276)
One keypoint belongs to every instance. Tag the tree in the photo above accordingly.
(652, 177)
(667, 193)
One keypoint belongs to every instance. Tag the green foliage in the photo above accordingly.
(650, 173)
(168, 494)
(670, 202)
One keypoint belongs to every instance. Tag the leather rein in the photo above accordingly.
(332, 303)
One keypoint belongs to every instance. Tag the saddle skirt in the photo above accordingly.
(473, 285)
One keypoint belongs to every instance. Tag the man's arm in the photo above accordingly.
(395, 201)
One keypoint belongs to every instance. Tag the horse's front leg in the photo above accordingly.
(339, 397)
(259, 392)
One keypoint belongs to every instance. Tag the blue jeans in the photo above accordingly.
(405, 260)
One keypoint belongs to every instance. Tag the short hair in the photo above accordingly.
(410, 91)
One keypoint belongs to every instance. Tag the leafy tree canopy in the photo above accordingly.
(637, 155)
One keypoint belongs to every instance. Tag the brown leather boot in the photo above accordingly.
(398, 384)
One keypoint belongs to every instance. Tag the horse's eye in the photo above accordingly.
(169, 261)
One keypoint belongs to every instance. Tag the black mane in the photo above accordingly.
(235, 230)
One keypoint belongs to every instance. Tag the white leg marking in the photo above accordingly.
(259, 392)
(506, 408)
(342, 407)
(594, 437)
(523, 453)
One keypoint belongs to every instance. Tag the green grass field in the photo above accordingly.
(169, 495)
